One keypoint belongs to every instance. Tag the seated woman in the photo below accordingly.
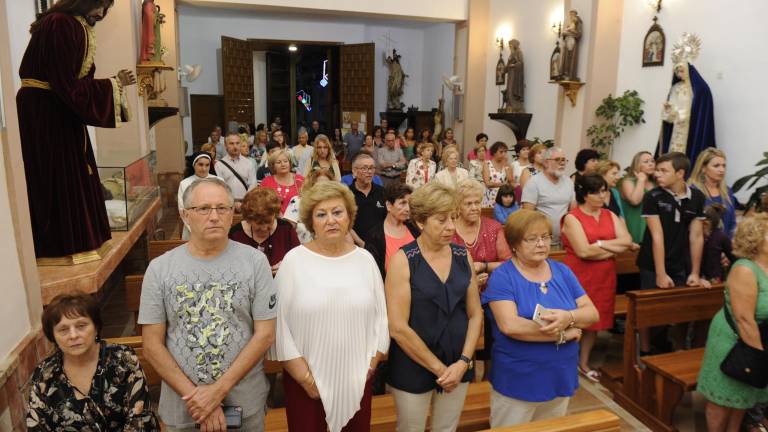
(476, 165)
(434, 317)
(323, 158)
(201, 165)
(592, 236)
(534, 360)
(396, 231)
(211, 150)
(263, 228)
(743, 317)
(521, 162)
(86, 384)
(536, 163)
(496, 172)
(481, 146)
(282, 180)
(422, 168)
(586, 161)
(452, 174)
(331, 329)
(409, 143)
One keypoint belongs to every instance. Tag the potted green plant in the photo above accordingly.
(615, 114)
(757, 197)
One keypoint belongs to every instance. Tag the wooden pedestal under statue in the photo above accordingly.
(518, 122)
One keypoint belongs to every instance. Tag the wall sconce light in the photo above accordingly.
(292, 48)
(557, 28)
(655, 5)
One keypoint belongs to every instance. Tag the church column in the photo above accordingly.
(117, 39)
(479, 33)
(598, 67)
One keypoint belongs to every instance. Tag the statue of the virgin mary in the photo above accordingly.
(688, 124)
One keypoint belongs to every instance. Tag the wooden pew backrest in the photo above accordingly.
(159, 247)
(655, 307)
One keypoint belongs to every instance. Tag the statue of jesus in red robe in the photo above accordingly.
(59, 96)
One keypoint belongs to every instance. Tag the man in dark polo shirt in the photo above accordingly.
(670, 254)
(672, 247)
(369, 197)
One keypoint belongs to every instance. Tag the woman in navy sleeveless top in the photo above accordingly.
(435, 317)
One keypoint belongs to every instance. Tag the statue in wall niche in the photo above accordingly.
(688, 124)
(148, 35)
(570, 55)
(513, 94)
(395, 83)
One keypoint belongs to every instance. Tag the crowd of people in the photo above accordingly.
(396, 264)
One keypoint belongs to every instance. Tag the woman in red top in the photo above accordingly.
(592, 237)
(263, 229)
(282, 180)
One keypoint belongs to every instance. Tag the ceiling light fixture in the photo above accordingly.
(292, 48)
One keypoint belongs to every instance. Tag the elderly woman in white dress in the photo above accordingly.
(331, 320)
(452, 174)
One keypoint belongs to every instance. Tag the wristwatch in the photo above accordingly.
(470, 363)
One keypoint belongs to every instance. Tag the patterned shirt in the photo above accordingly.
(118, 398)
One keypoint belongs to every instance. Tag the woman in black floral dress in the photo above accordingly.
(86, 385)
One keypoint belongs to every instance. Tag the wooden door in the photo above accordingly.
(279, 89)
(237, 70)
(207, 112)
(356, 80)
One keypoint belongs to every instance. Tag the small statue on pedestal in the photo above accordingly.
(514, 92)
(395, 83)
(570, 56)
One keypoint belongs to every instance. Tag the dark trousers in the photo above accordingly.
(307, 415)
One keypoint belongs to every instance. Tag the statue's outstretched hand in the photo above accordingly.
(126, 77)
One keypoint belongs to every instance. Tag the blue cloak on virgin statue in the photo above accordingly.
(688, 124)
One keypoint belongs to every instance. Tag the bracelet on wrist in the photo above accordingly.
(573, 320)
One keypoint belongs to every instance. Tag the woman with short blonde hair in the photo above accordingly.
(331, 329)
(452, 173)
(283, 181)
(536, 160)
(609, 171)
(434, 315)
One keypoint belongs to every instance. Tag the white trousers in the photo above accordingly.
(413, 408)
(507, 411)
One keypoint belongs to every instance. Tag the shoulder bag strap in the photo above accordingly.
(245, 185)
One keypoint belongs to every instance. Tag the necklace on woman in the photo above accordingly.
(522, 267)
(471, 244)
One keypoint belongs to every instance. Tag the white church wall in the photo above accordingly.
(529, 22)
(731, 62)
(200, 31)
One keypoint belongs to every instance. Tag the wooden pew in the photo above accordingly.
(159, 247)
(474, 415)
(653, 385)
(589, 421)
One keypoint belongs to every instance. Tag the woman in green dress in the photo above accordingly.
(633, 186)
(746, 298)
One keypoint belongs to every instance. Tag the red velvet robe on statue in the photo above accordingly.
(58, 98)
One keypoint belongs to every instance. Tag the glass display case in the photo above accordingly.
(129, 189)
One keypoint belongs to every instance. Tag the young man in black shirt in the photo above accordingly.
(670, 254)
(672, 247)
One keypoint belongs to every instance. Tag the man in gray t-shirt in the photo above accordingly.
(550, 191)
(208, 312)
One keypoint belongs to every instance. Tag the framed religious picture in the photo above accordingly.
(43, 5)
(654, 44)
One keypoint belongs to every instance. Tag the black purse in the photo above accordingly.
(745, 363)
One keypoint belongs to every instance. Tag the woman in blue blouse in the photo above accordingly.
(708, 176)
(533, 364)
